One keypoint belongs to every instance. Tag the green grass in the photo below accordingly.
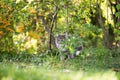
(31, 72)
(88, 66)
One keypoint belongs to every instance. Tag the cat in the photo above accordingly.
(60, 41)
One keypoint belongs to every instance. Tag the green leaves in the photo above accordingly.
(118, 6)
(117, 14)
(117, 29)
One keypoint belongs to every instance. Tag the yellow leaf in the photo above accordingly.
(35, 18)
(26, 24)
(10, 8)
(10, 15)
(33, 35)
(2, 33)
(20, 29)
(81, 35)
(3, 5)
(9, 29)
(8, 23)
(3, 26)
(32, 10)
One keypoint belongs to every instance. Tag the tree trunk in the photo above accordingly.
(106, 34)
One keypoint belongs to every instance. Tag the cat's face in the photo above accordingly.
(61, 38)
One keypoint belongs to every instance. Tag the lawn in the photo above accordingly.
(35, 67)
(31, 72)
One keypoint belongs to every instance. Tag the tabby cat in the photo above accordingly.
(61, 44)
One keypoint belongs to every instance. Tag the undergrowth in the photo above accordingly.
(91, 63)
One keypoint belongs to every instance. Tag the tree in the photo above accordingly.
(41, 20)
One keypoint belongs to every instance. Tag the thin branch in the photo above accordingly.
(51, 31)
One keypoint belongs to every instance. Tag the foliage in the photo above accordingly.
(118, 23)
(92, 35)
(72, 42)
(6, 28)
(87, 65)
(16, 23)
(32, 22)
(26, 26)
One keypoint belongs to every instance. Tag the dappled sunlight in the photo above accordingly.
(107, 12)
(25, 43)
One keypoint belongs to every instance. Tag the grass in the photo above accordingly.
(31, 72)
(88, 66)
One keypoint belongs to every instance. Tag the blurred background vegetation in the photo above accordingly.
(28, 29)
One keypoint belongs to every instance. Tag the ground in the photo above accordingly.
(36, 67)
